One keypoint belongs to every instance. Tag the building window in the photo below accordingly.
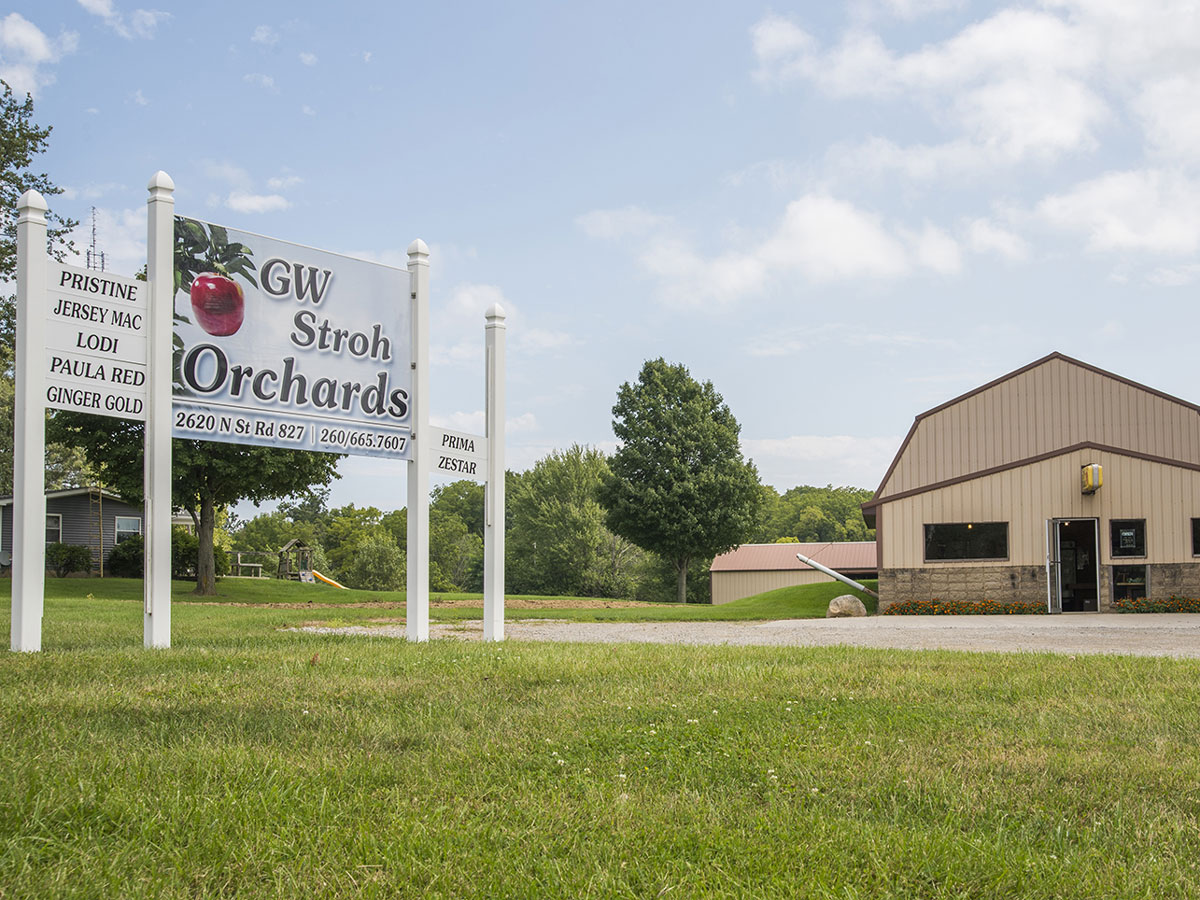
(53, 528)
(127, 527)
(1129, 582)
(1128, 537)
(1195, 537)
(966, 540)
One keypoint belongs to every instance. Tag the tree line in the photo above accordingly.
(557, 543)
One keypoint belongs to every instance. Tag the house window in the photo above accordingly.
(966, 540)
(53, 528)
(127, 527)
(1129, 582)
(1195, 537)
(1128, 537)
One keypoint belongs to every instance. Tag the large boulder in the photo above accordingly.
(845, 605)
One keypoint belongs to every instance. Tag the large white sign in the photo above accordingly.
(95, 342)
(282, 345)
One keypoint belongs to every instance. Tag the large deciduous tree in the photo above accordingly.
(678, 485)
(21, 140)
(557, 542)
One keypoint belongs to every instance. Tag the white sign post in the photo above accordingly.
(29, 428)
(493, 527)
(160, 274)
(416, 616)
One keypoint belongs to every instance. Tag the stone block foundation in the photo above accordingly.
(1026, 584)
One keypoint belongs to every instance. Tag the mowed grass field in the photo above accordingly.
(250, 761)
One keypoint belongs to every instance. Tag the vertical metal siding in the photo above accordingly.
(1039, 411)
(1167, 497)
(730, 586)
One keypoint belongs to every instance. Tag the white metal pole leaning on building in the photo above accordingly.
(416, 617)
(29, 428)
(493, 527)
(160, 273)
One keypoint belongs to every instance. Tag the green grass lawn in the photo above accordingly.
(803, 601)
(253, 762)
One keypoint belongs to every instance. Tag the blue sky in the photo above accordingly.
(840, 214)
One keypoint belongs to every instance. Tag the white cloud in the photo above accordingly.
(985, 237)
(284, 182)
(832, 240)
(935, 250)
(819, 239)
(473, 422)
(243, 202)
(308, 110)
(469, 302)
(143, 23)
(1150, 210)
(265, 35)
(309, 59)
(26, 51)
(260, 80)
(792, 341)
(1169, 110)
(821, 459)
(913, 9)
(1014, 85)
(1177, 276)
(541, 340)
(139, 98)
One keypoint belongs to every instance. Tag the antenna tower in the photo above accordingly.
(95, 258)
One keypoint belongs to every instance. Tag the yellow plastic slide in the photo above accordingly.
(317, 575)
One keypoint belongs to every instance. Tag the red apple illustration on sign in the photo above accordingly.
(218, 303)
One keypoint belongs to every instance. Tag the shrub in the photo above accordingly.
(937, 607)
(185, 555)
(125, 559)
(378, 565)
(1173, 604)
(67, 558)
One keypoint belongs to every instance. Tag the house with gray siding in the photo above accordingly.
(87, 517)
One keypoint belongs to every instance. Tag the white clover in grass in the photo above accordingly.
(621, 775)
(693, 721)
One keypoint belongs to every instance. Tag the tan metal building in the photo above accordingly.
(753, 568)
(987, 497)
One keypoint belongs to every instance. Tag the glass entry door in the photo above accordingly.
(1076, 565)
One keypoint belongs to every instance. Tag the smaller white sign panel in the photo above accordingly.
(288, 431)
(95, 342)
(458, 455)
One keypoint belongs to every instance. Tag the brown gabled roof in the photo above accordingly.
(844, 556)
(871, 505)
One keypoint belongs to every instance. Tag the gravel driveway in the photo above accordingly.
(1159, 634)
